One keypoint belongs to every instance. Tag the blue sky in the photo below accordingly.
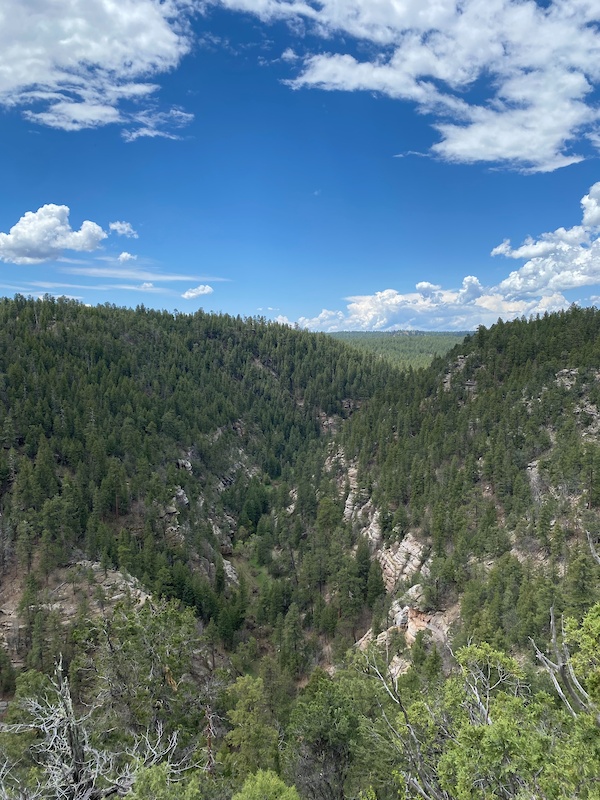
(365, 165)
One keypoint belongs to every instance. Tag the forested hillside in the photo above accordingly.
(240, 560)
(403, 348)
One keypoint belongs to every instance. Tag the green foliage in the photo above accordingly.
(253, 740)
(159, 783)
(139, 658)
(586, 660)
(323, 734)
(266, 785)
(181, 448)
(110, 417)
(7, 673)
(375, 584)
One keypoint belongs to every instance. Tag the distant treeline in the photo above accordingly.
(403, 348)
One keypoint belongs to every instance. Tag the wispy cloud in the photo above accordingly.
(152, 123)
(508, 81)
(88, 64)
(128, 273)
(557, 261)
(58, 288)
(147, 287)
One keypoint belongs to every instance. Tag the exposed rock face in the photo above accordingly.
(398, 664)
(533, 473)
(230, 573)
(567, 377)
(224, 540)
(438, 623)
(410, 621)
(372, 528)
(115, 583)
(358, 507)
(401, 561)
(294, 499)
(585, 411)
(414, 596)
(168, 511)
(455, 369)
(180, 497)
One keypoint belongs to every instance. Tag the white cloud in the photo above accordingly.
(289, 55)
(548, 243)
(74, 116)
(470, 291)
(128, 287)
(190, 294)
(56, 288)
(427, 289)
(325, 321)
(506, 81)
(591, 207)
(449, 309)
(123, 229)
(133, 274)
(86, 63)
(124, 257)
(565, 259)
(557, 261)
(44, 234)
(154, 123)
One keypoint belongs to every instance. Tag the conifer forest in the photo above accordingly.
(242, 560)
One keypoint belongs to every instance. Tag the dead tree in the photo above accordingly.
(560, 669)
(72, 767)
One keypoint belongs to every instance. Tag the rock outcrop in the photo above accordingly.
(63, 595)
(231, 575)
(401, 561)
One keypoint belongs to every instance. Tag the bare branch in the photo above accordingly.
(72, 767)
(595, 553)
(562, 674)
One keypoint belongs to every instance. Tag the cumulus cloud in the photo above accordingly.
(566, 258)
(558, 261)
(198, 291)
(124, 257)
(325, 321)
(591, 207)
(45, 234)
(427, 289)
(561, 238)
(508, 81)
(88, 63)
(123, 229)
(449, 309)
